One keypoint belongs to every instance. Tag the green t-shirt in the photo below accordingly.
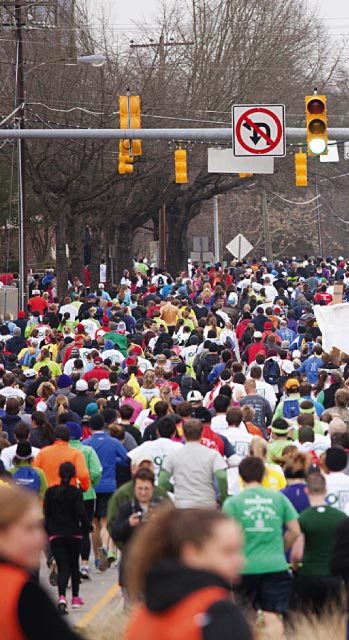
(275, 449)
(319, 525)
(262, 514)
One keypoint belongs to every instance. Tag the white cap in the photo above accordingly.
(36, 292)
(81, 385)
(101, 285)
(257, 334)
(30, 373)
(194, 396)
(104, 385)
(296, 354)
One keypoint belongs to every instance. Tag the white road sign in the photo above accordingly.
(223, 161)
(239, 247)
(259, 130)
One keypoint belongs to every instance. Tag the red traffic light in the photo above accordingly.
(315, 106)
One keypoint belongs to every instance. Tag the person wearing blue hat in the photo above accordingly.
(95, 470)
(64, 384)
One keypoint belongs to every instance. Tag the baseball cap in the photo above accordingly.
(104, 385)
(257, 334)
(98, 360)
(81, 385)
(136, 350)
(296, 354)
(202, 414)
(30, 373)
(194, 396)
(75, 430)
(36, 292)
(292, 383)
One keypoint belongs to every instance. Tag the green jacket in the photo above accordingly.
(43, 481)
(125, 494)
(93, 464)
(118, 339)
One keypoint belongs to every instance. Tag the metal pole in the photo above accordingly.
(318, 207)
(216, 229)
(21, 160)
(267, 237)
(208, 134)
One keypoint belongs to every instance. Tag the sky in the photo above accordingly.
(122, 12)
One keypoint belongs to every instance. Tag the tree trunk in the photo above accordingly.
(75, 244)
(123, 249)
(97, 252)
(177, 244)
(61, 256)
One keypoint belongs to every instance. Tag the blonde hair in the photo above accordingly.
(258, 448)
(166, 396)
(14, 501)
(149, 380)
(61, 405)
(45, 390)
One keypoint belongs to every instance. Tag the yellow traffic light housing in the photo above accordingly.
(316, 120)
(181, 168)
(130, 118)
(301, 168)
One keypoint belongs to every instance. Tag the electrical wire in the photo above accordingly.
(293, 202)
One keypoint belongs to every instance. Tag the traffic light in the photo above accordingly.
(301, 168)
(316, 118)
(130, 118)
(181, 169)
(125, 160)
(245, 175)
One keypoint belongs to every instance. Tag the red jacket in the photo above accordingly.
(97, 372)
(212, 440)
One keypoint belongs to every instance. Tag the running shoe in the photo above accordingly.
(62, 606)
(85, 573)
(52, 572)
(103, 559)
(111, 558)
(77, 602)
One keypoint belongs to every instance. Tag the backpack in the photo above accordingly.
(28, 478)
(291, 408)
(271, 371)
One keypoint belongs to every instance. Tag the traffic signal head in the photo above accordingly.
(125, 160)
(123, 112)
(181, 169)
(301, 169)
(135, 112)
(316, 119)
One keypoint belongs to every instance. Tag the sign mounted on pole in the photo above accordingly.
(259, 130)
(239, 247)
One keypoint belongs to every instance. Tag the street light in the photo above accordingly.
(95, 60)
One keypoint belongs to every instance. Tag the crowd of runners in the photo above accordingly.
(190, 430)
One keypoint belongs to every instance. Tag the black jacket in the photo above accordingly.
(64, 512)
(169, 583)
(16, 344)
(79, 403)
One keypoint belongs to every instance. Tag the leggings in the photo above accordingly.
(66, 552)
(86, 539)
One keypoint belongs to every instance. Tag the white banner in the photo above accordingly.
(333, 321)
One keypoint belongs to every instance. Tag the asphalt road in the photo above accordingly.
(103, 603)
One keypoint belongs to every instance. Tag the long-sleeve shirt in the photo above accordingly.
(50, 458)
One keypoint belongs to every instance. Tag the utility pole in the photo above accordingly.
(318, 209)
(162, 236)
(22, 213)
(217, 253)
(266, 227)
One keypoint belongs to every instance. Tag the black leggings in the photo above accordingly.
(66, 552)
(86, 538)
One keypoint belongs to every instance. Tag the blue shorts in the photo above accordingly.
(267, 591)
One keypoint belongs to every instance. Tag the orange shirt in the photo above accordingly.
(50, 458)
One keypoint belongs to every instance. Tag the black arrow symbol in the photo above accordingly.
(255, 136)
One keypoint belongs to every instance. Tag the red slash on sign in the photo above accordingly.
(260, 130)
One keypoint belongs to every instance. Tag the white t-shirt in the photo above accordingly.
(219, 423)
(115, 356)
(90, 327)
(9, 453)
(71, 309)
(337, 484)
(266, 391)
(12, 392)
(103, 273)
(240, 440)
(159, 450)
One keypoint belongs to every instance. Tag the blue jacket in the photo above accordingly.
(318, 406)
(310, 368)
(110, 452)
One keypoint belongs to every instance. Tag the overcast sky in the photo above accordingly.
(122, 12)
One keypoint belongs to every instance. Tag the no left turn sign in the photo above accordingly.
(259, 130)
